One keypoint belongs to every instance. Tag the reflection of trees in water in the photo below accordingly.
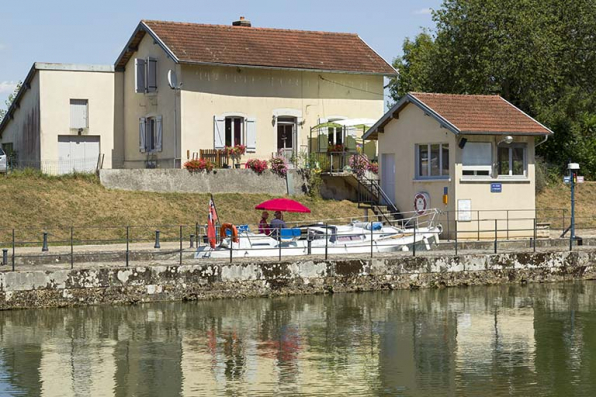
(234, 356)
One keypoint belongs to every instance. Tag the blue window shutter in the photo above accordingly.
(251, 135)
(142, 127)
(140, 76)
(219, 132)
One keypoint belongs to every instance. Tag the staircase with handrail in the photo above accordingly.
(372, 196)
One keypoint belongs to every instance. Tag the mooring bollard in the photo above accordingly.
(157, 240)
(4, 256)
(192, 241)
(44, 247)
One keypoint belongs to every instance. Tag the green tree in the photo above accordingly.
(9, 100)
(538, 54)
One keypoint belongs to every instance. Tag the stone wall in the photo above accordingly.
(217, 181)
(206, 280)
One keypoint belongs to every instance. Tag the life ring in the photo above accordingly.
(232, 228)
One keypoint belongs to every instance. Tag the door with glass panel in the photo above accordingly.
(286, 137)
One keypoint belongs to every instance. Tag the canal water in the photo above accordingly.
(503, 340)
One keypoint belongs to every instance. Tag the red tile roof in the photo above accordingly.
(265, 47)
(481, 114)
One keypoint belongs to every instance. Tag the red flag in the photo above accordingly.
(211, 220)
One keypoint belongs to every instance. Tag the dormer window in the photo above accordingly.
(146, 75)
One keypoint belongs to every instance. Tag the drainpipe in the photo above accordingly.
(540, 143)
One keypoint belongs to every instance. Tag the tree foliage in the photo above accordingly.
(538, 54)
(10, 99)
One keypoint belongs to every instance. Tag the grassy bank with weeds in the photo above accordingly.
(31, 200)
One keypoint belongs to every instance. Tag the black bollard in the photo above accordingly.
(44, 247)
(4, 256)
(157, 240)
(192, 241)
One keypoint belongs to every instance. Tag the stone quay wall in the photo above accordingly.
(126, 285)
(216, 181)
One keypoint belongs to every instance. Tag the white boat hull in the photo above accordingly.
(425, 240)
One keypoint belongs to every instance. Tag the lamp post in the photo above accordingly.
(573, 169)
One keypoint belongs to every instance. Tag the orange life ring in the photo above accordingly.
(229, 226)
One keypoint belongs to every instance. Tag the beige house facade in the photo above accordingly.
(225, 95)
(470, 156)
(62, 119)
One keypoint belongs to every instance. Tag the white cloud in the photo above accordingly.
(7, 87)
(423, 11)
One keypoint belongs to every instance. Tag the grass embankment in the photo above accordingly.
(559, 197)
(34, 201)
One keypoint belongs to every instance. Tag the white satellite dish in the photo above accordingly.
(172, 79)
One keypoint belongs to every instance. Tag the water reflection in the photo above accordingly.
(498, 340)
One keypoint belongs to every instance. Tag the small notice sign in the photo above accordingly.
(567, 179)
(496, 188)
(580, 179)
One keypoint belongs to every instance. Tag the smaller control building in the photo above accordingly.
(472, 156)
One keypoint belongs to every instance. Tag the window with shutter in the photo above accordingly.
(151, 75)
(142, 128)
(140, 76)
(158, 134)
(219, 125)
(78, 113)
(477, 159)
(251, 135)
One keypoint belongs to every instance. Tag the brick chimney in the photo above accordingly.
(242, 22)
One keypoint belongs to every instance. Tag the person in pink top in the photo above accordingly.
(263, 225)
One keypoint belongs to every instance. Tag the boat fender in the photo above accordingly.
(232, 229)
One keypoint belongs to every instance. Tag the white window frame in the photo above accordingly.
(478, 170)
(510, 175)
(233, 117)
(417, 159)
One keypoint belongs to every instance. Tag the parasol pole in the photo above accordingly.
(217, 213)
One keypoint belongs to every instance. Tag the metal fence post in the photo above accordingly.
(157, 245)
(414, 244)
(127, 243)
(507, 224)
(496, 236)
(198, 234)
(371, 239)
(180, 245)
(4, 256)
(535, 234)
(192, 241)
(448, 226)
(231, 249)
(326, 240)
(478, 216)
(279, 245)
(71, 248)
(13, 244)
(456, 236)
(44, 247)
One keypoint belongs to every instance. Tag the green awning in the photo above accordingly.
(327, 125)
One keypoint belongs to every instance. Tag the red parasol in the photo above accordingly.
(282, 204)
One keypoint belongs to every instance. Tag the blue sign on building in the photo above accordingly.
(496, 188)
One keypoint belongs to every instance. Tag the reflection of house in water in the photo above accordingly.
(495, 346)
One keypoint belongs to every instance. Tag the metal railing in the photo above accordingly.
(504, 231)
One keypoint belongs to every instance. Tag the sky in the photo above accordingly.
(94, 32)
